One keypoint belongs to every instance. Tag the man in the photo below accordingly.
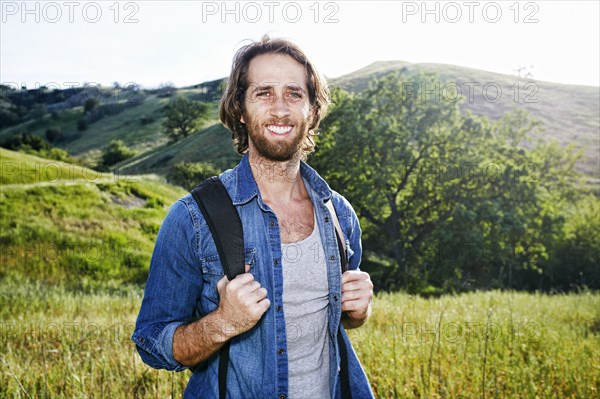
(282, 316)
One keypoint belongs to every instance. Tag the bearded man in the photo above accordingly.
(282, 317)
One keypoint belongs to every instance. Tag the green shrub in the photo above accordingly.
(189, 174)
(115, 153)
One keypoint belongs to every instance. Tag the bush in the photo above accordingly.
(90, 104)
(116, 152)
(36, 145)
(146, 120)
(54, 134)
(189, 174)
(22, 141)
(82, 125)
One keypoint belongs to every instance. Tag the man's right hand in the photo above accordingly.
(242, 302)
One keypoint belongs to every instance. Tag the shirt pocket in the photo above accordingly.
(212, 272)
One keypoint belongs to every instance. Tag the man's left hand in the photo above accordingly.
(357, 294)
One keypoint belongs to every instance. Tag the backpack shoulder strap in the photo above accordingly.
(227, 232)
(224, 223)
(339, 236)
(346, 392)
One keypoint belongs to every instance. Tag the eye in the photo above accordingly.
(296, 95)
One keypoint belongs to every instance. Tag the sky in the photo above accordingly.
(68, 43)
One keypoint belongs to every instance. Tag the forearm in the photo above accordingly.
(197, 341)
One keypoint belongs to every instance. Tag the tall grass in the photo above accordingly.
(61, 343)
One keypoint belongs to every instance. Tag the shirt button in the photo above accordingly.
(279, 307)
(281, 396)
(271, 223)
(335, 298)
(326, 219)
(332, 257)
(281, 351)
(276, 261)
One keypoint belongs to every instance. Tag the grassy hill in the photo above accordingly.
(62, 223)
(570, 113)
(211, 144)
(139, 126)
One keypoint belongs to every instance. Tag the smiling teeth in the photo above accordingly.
(279, 129)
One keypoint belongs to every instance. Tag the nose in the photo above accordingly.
(279, 107)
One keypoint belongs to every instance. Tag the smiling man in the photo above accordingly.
(282, 317)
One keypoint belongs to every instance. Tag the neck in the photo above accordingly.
(278, 182)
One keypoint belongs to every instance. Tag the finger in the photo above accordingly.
(264, 304)
(260, 294)
(357, 306)
(247, 268)
(251, 287)
(222, 283)
(244, 278)
(353, 275)
(355, 285)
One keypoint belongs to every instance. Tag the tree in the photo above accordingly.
(183, 117)
(445, 198)
(90, 104)
(54, 134)
(82, 124)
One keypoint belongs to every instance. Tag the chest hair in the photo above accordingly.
(296, 221)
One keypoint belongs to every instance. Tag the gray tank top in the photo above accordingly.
(305, 306)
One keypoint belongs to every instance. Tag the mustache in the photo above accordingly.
(277, 121)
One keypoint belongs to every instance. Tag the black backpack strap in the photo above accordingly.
(226, 229)
(224, 224)
(344, 375)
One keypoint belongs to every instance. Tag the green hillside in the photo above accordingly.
(75, 226)
(212, 144)
(139, 126)
(570, 113)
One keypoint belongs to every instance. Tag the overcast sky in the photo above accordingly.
(188, 42)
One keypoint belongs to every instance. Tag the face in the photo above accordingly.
(277, 110)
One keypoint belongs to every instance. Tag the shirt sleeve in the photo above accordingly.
(172, 290)
(355, 242)
(351, 227)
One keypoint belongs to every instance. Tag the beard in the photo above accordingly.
(276, 150)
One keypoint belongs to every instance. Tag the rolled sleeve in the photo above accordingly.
(172, 290)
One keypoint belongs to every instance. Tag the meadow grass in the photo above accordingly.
(62, 343)
(72, 246)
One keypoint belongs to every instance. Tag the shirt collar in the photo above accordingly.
(242, 187)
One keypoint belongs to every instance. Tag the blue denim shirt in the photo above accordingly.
(182, 287)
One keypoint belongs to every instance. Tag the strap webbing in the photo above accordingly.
(226, 229)
(344, 375)
(224, 224)
(223, 364)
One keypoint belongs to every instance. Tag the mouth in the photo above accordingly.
(279, 129)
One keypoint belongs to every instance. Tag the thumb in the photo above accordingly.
(247, 267)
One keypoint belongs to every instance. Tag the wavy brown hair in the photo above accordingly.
(231, 107)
